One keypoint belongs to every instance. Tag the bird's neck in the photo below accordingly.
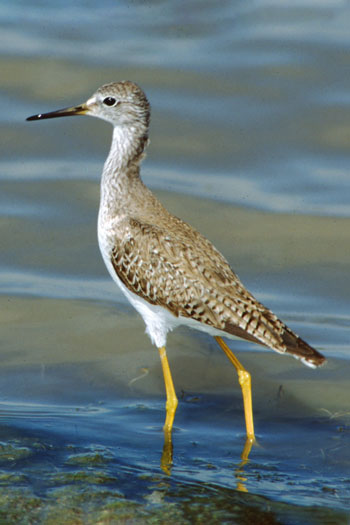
(122, 167)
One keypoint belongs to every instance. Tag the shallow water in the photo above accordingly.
(249, 143)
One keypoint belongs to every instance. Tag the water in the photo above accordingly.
(249, 143)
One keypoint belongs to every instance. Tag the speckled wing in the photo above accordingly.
(180, 270)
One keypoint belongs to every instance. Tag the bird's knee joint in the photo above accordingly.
(244, 377)
(171, 404)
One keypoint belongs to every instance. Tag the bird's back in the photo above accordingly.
(168, 263)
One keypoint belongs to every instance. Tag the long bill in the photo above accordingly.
(65, 112)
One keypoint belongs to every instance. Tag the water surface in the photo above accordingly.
(249, 143)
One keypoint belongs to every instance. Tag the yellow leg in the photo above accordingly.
(171, 399)
(171, 405)
(245, 382)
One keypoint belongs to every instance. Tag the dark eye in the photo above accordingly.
(109, 101)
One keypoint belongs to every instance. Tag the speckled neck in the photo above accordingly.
(121, 170)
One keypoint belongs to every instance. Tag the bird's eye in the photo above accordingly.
(109, 101)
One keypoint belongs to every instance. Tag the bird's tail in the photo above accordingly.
(277, 336)
(299, 349)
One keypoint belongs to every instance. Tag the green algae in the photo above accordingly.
(19, 506)
(83, 476)
(12, 452)
(187, 505)
(91, 460)
(8, 478)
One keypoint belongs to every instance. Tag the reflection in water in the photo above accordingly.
(166, 462)
(240, 470)
(99, 448)
(172, 402)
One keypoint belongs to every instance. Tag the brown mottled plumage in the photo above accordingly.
(170, 264)
(169, 272)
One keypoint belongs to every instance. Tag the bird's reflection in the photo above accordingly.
(239, 472)
(166, 461)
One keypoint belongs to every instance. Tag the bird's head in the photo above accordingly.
(120, 103)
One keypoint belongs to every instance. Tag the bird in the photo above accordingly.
(170, 273)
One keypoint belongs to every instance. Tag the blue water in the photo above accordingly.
(250, 111)
(265, 82)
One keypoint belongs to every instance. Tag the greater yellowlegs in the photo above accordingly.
(168, 271)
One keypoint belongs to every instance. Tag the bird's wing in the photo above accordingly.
(183, 272)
